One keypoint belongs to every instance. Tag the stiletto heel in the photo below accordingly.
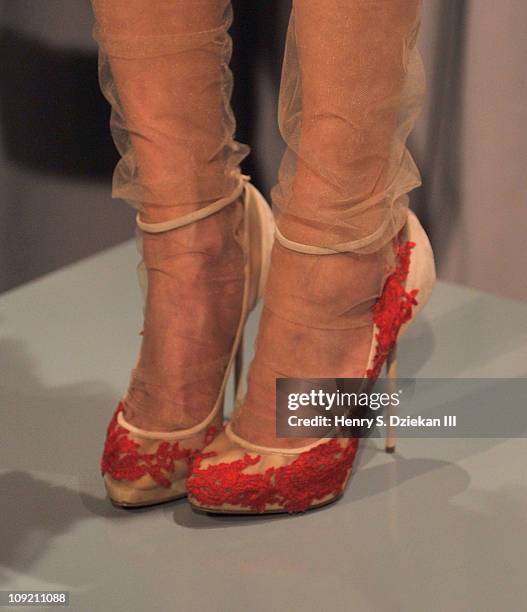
(143, 468)
(238, 369)
(391, 373)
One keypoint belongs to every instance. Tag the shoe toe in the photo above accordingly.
(227, 478)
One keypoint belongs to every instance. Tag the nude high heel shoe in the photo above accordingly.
(234, 476)
(142, 468)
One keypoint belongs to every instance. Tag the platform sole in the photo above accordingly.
(145, 504)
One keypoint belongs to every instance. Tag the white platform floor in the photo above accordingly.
(439, 526)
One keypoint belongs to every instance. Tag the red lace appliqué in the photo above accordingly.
(393, 309)
(123, 461)
(313, 475)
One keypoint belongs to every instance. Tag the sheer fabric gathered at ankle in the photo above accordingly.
(163, 66)
(352, 86)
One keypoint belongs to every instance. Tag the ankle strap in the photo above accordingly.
(348, 247)
(302, 248)
(202, 213)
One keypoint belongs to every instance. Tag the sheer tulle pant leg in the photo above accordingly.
(164, 69)
(351, 88)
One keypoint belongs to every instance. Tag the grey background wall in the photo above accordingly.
(55, 204)
(471, 142)
(56, 155)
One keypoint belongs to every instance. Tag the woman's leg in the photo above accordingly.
(164, 68)
(352, 84)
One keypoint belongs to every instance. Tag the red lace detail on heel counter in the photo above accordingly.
(393, 309)
(312, 476)
(123, 460)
